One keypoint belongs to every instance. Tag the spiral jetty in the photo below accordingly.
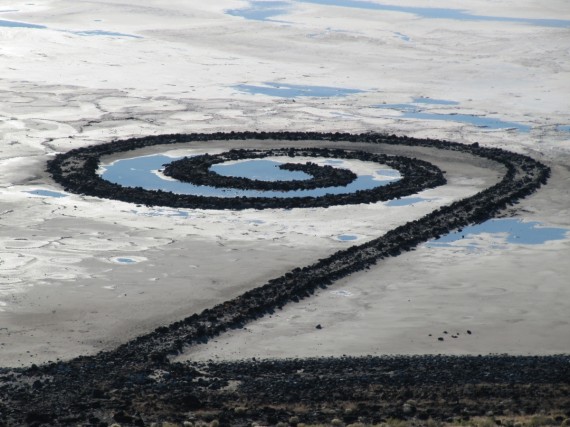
(136, 384)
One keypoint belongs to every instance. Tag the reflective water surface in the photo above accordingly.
(347, 237)
(266, 10)
(406, 201)
(417, 110)
(440, 13)
(285, 90)
(510, 230)
(17, 24)
(47, 193)
(261, 169)
(261, 10)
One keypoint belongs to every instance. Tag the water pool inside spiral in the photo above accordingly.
(144, 171)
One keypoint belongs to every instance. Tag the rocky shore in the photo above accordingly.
(136, 384)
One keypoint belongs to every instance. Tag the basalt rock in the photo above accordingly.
(196, 170)
(76, 170)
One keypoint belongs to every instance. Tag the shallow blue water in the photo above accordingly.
(293, 91)
(47, 193)
(263, 170)
(104, 33)
(563, 128)
(16, 24)
(403, 108)
(440, 13)
(407, 201)
(513, 230)
(138, 172)
(479, 121)
(261, 10)
(346, 237)
(265, 10)
(125, 261)
(433, 101)
(414, 110)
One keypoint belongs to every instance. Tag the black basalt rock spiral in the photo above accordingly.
(77, 172)
(135, 383)
(196, 170)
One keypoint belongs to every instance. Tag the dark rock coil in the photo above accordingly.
(196, 170)
(76, 170)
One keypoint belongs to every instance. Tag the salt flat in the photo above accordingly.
(178, 68)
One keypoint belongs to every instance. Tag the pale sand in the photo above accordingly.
(59, 91)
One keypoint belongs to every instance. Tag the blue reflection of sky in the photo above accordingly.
(346, 237)
(140, 172)
(263, 170)
(505, 230)
(285, 90)
(47, 193)
(440, 13)
(16, 24)
(479, 121)
(407, 201)
(433, 101)
(415, 110)
(103, 33)
(261, 10)
(265, 10)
